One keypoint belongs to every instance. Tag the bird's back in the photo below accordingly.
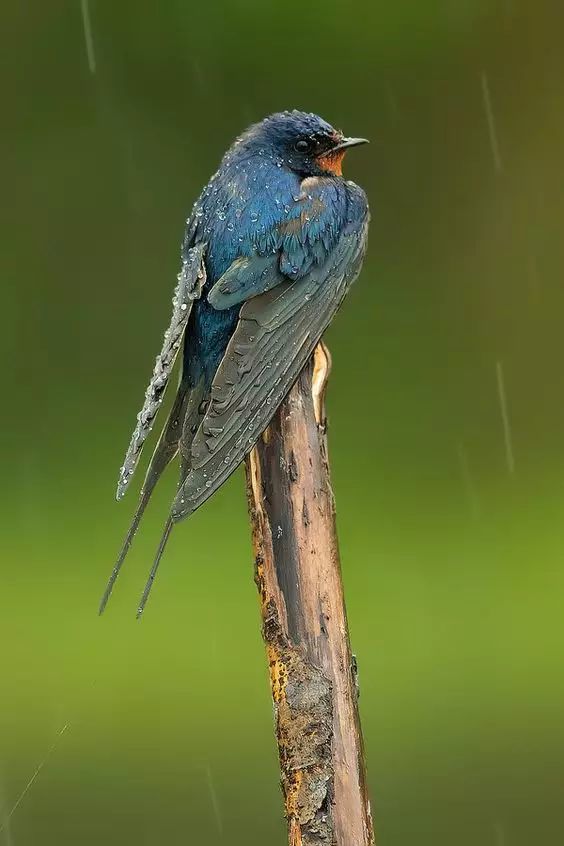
(240, 213)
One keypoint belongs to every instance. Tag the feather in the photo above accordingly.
(191, 280)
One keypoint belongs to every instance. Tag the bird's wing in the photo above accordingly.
(276, 333)
(245, 278)
(191, 280)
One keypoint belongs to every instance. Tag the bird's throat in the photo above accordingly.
(332, 162)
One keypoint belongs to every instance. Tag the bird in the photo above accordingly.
(270, 249)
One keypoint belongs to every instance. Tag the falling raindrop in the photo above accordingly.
(491, 122)
(30, 783)
(214, 799)
(89, 41)
(391, 100)
(505, 418)
(499, 833)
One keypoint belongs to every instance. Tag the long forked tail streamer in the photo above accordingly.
(145, 496)
(155, 567)
(166, 449)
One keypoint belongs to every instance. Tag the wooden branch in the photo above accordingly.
(298, 574)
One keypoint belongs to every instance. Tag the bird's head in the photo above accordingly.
(301, 142)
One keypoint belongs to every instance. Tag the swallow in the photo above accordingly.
(271, 247)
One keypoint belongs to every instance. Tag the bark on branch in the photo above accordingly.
(298, 574)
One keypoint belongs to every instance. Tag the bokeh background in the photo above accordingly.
(446, 413)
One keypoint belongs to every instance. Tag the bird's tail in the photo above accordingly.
(182, 423)
(194, 410)
(163, 542)
(165, 451)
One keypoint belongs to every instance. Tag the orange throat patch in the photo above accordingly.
(332, 162)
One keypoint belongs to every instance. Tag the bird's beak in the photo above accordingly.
(331, 160)
(348, 142)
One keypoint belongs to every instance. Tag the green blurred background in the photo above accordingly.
(450, 519)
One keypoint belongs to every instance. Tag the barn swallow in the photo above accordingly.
(270, 250)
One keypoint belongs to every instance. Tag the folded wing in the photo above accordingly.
(276, 333)
(191, 280)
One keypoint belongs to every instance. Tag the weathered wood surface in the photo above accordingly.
(298, 575)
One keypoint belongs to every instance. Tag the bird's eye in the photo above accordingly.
(302, 146)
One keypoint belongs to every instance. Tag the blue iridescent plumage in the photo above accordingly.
(271, 247)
